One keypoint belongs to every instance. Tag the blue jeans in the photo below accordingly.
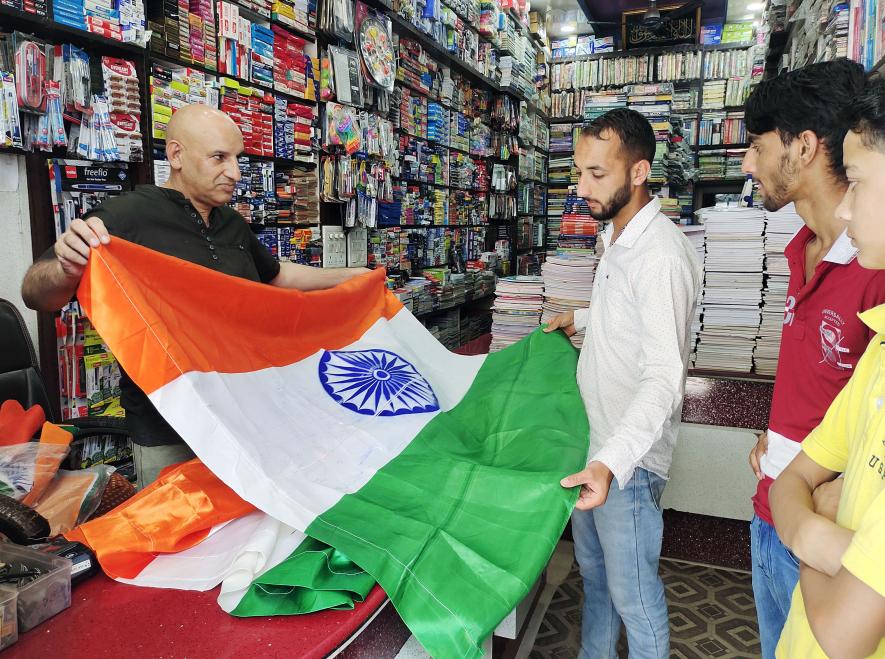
(775, 575)
(618, 546)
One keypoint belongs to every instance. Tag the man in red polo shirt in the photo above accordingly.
(796, 128)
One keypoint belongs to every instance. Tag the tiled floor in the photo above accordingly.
(711, 614)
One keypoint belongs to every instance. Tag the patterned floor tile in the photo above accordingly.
(711, 615)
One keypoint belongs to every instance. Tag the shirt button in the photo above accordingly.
(212, 247)
(241, 247)
(879, 402)
(215, 257)
(209, 238)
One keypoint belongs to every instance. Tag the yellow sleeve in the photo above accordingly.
(828, 444)
(863, 558)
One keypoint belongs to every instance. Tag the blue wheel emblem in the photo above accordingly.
(375, 383)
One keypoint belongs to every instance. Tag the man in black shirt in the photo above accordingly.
(187, 218)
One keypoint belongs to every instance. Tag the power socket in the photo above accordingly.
(357, 247)
(334, 247)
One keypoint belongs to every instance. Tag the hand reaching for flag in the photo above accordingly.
(595, 481)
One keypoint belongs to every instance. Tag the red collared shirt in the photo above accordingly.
(821, 343)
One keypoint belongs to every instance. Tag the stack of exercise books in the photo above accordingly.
(517, 310)
(568, 284)
(780, 227)
(732, 292)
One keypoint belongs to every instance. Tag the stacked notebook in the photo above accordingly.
(517, 309)
(732, 293)
(780, 227)
(568, 283)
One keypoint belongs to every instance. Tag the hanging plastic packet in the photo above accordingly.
(342, 22)
(52, 131)
(10, 123)
(77, 78)
(30, 75)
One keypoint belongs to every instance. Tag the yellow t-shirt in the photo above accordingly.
(851, 439)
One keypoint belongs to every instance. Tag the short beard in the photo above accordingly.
(618, 200)
(780, 196)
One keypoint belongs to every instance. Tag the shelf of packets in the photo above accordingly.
(414, 248)
(90, 106)
(184, 30)
(268, 192)
(121, 20)
(302, 245)
(450, 33)
(89, 376)
(851, 30)
(271, 126)
(251, 51)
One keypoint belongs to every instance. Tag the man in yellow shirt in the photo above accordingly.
(838, 608)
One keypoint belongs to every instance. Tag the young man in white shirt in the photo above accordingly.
(631, 374)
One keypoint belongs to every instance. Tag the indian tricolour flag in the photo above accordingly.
(337, 414)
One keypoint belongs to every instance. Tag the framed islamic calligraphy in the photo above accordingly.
(683, 30)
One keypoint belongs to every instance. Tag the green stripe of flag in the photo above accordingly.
(313, 578)
(458, 527)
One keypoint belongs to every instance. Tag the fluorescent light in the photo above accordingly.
(754, 6)
(565, 28)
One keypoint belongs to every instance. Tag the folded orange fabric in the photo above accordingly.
(172, 514)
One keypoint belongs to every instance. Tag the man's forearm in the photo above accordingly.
(46, 287)
(836, 614)
(813, 538)
(308, 278)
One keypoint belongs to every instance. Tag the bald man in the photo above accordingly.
(187, 218)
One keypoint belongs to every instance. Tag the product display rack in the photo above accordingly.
(145, 57)
(37, 181)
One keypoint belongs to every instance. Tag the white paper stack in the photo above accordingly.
(780, 227)
(568, 283)
(517, 310)
(732, 288)
(695, 235)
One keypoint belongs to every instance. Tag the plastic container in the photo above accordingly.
(8, 616)
(45, 596)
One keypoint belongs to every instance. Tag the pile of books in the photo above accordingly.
(578, 229)
(568, 284)
(732, 292)
(517, 310)
(780, 227)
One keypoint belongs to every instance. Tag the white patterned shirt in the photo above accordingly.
(632, 367)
